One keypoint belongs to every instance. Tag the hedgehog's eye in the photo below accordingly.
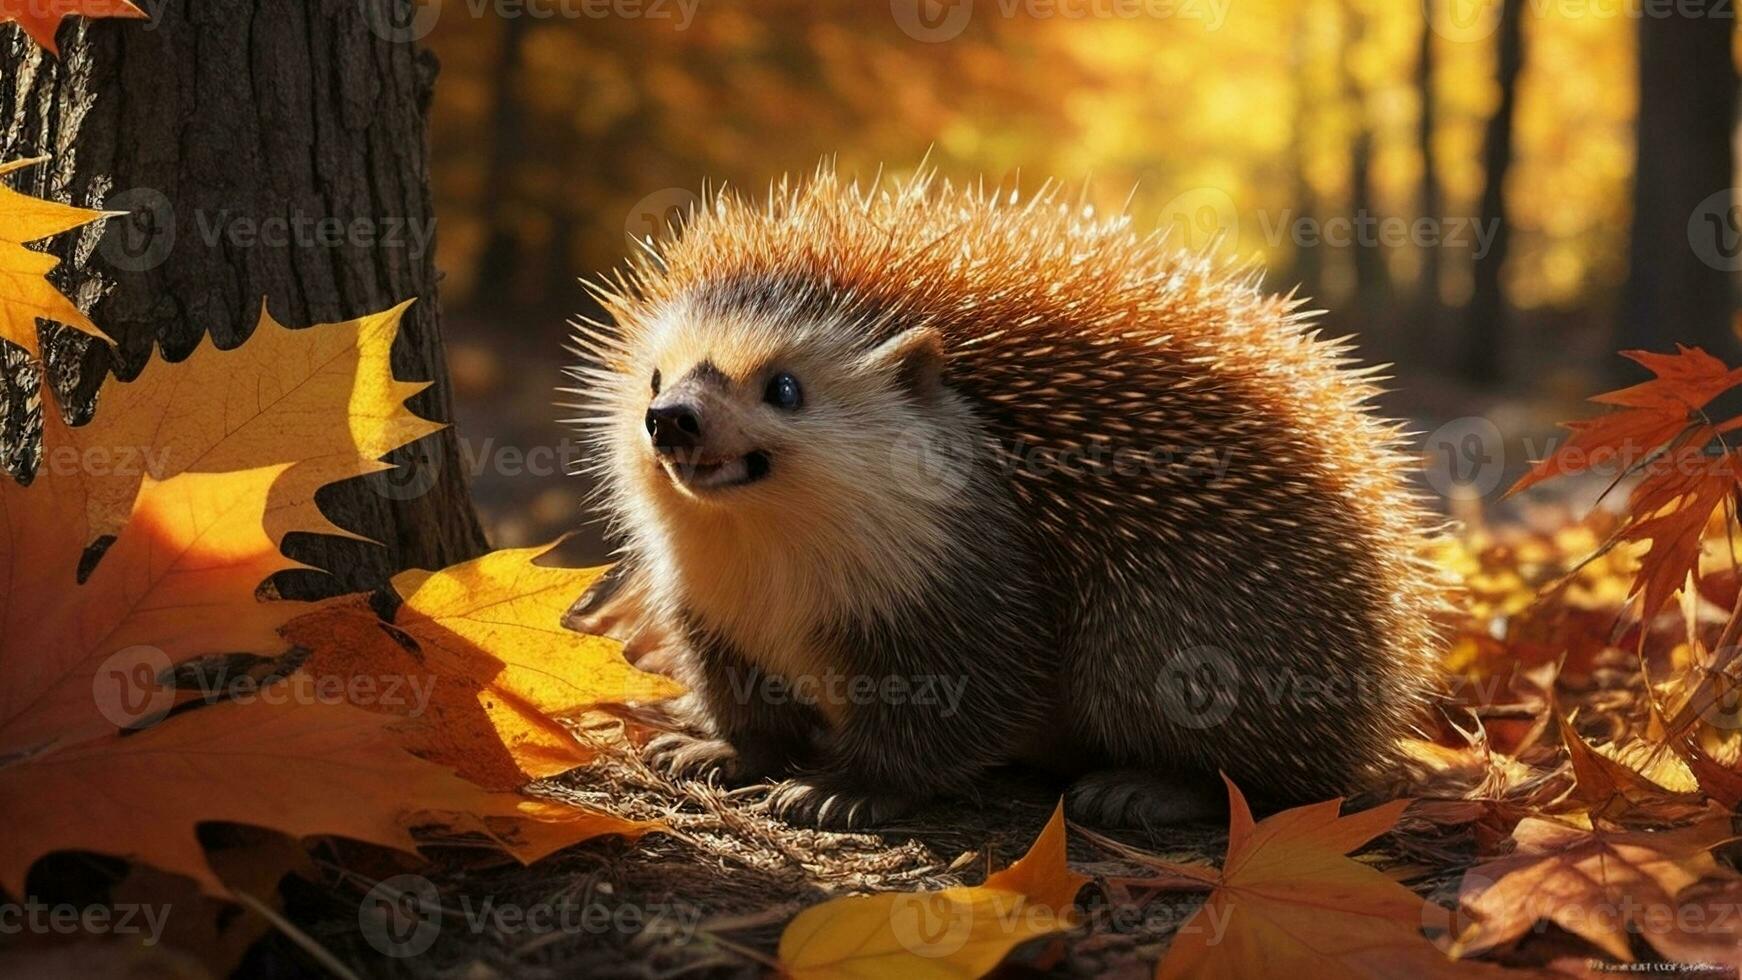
(783, 392)
(656, 381)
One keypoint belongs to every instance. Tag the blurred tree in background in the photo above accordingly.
(1398, 159)
(1452, 179)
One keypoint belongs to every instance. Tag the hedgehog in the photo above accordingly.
(927, 479)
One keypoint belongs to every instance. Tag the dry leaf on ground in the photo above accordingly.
(957, 932)
(485, 637)
(1289, 902)
(1605, 886)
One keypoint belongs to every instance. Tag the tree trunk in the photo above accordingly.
(1485, 329)
(1687, 237)
(1307, 270)
(499, 270)
(1432, 202)
(1372, 274)
(214, 117)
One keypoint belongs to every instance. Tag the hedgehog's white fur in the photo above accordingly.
(1062, 331)
(840, 531)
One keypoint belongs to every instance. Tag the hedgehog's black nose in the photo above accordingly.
(674, 427)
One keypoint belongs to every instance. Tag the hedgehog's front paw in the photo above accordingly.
(830, 805)
(685, 756)
(1139, 800)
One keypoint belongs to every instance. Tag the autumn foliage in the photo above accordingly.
(1578, 784)
(148, 667)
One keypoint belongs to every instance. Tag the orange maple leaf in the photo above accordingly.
(1636, 780)
(1604, 886)
(178, 583)
(1651, 414)
(41, 18)
(294, 761)
(1660, 430)
(957, 932)
(1669, 510)
(1288, 901)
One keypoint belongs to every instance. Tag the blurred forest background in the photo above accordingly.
(1495, 195)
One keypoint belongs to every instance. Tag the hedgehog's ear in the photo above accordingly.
(915, 357)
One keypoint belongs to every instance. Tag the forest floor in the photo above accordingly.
(710, 895)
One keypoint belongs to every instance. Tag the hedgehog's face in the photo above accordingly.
(736, 411)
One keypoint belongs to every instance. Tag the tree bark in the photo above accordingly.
(1687, 235)
(1485, 327)
(213, 118)
(1307, 269)
(499, 265)
(1432, 201)
(1372, 275)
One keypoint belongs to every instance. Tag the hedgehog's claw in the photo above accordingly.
(828, 805)
(685, 756)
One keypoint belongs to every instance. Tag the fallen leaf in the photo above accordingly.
(1602, 885)
(91, 755)
(954, 933)
(533, 829)
(322, 400)
(1289, 902)
(79, 661)
(1633, 781)
(288, 759)
(488, 669)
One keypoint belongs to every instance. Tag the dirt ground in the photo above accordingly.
(710, 896)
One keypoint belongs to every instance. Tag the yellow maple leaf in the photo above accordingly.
(25, 292)
(41, 18)
(486, 635)
(323, 398)
(957, 932)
